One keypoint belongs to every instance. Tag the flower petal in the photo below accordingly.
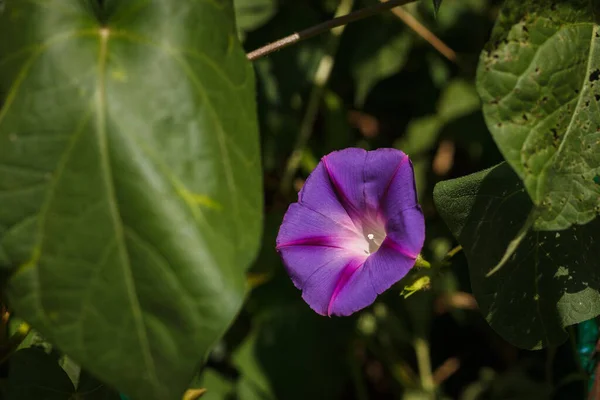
(406, 230)
(319, 194)
(382, 168)
(355, 293)
(389, 181)
(322, 287)
(388, 265)
(307, 240)
(380, 271)
(301, 262)
(301, 223)
(346, 172)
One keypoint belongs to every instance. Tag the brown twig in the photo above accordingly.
(326, 26)
(425, 33)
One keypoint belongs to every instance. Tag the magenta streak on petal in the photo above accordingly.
(387, 187)
(345, 276)
(395, 246)
(353, 213)
(323, 241)
(350, 228)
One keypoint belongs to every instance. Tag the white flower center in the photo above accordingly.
(374, 237)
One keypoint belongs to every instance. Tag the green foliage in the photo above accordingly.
(251, 14)
(538, 79)
(130, 182)
(290, 334)
(436, 5)
(131, 205)
(550, 279)
(371, 64)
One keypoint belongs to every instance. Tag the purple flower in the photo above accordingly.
(355, 231)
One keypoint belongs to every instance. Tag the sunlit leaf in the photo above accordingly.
(130, 189)
(539, 80)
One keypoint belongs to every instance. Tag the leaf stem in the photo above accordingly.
(325, 26)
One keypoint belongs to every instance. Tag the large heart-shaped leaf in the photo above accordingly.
(539, 80)
(130, 186)
(549, 281)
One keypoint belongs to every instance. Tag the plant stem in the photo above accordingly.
(320, 80)
(424, 364)
(325, 26)
(453, 252)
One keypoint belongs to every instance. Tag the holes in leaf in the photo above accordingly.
(595, 75)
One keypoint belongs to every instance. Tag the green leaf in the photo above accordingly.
(252, 14)
(421, 134)
(551, 279)
(381, 50)
(458, 99)
(130, 185)
(217, 386)
(254, 382)
(539, 80)
(33, 374)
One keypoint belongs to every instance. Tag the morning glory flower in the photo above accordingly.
(356, 229)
